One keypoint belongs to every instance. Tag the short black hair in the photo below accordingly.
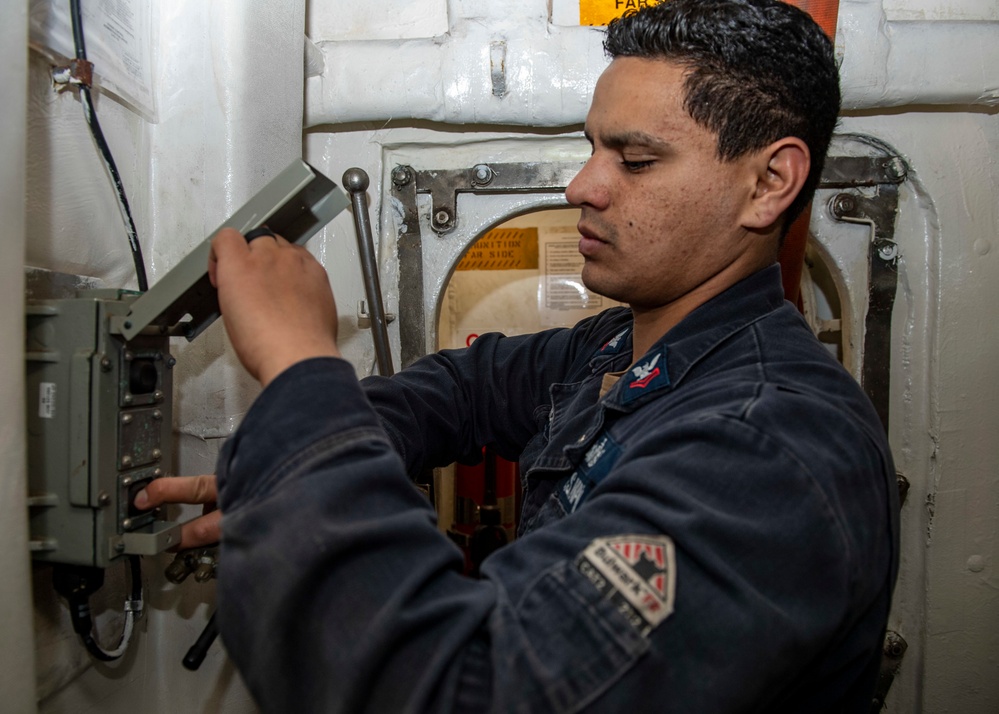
(757, 71)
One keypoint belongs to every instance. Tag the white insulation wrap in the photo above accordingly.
(900, 63)
(503, 63)
(499, 63)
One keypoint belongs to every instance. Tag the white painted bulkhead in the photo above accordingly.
(425, 81)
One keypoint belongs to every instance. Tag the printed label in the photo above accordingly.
(597, 13)
(503, 249)
(46, 400)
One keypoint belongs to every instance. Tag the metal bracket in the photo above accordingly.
(879, 210)
(891, 659)
(364, 317)
(443, 186)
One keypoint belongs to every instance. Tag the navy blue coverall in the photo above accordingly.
(716, 533)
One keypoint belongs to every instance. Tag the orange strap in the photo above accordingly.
(824, 12)
(792, 254)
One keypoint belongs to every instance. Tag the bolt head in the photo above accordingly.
(888, 251)
(483, 174)
(401, 175)
(895, 168)
(843, 204)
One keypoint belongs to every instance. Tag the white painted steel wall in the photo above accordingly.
(414, 80)
(16, 640)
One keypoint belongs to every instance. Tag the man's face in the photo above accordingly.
(661, 214)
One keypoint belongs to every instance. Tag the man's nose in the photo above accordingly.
(587, 188)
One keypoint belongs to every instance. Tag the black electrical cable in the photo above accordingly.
(95, 128)
(77, 584)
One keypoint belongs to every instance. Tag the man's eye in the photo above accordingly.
(636, 166)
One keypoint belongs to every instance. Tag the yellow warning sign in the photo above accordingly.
(503, 249)
(597, 13)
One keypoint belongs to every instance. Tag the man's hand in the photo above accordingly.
(275, 300)
(202, 531)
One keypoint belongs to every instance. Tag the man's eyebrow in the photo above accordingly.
(634, 139)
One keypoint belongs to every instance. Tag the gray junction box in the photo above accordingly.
(100, 389)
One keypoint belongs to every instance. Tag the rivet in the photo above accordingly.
(126, 461)
(976, 563)
(103, 499)
(126, 418)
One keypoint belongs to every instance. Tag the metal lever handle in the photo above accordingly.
(356, 182)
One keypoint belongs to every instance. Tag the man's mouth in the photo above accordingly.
(589, 242)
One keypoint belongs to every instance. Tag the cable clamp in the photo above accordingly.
(133, 606)
(77, 72)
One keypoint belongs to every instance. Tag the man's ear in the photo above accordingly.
(781, 171)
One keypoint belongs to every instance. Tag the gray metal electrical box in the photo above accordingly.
(100, 388)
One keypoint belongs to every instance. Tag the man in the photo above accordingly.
(709, 515)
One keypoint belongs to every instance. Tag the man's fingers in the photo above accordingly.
(202, 531)
(177, 489)
(226, 242)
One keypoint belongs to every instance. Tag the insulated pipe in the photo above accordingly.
(899, 63)
(506, 66)
(356, 182)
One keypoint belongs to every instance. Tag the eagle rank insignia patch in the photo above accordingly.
(637, 573)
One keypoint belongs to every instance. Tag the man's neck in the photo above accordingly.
(650, 324)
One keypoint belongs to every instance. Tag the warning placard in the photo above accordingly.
(503, 249)
(597, 13)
